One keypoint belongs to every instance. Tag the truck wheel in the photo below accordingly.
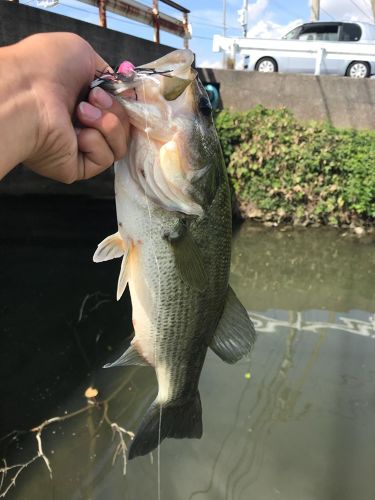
(358, 69)
(266, 65)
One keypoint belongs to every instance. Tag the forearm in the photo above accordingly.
(17, 111)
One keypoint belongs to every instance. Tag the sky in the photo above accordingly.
(266, 19)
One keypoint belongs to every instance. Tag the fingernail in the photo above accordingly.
(102, 98)
(89, 111)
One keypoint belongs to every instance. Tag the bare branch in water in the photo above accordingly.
(120, 432)
(10, 473)
(88, 297)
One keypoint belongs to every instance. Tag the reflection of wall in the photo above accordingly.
(342, 101)
(59, 319)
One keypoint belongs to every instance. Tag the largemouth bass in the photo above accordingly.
(174, 237)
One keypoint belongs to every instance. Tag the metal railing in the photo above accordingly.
(147, 15)
(141, 13)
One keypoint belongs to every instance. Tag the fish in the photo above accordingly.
(174, 237)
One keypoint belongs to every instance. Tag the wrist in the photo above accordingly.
(18, 110)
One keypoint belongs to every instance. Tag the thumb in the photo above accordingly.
(101, 66)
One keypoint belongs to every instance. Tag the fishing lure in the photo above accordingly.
(125, 73)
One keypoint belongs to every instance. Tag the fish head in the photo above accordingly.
(171, 115)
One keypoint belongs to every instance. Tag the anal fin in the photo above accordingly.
(235, 334)
(130, 357)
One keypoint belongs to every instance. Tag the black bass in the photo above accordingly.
(174, 237)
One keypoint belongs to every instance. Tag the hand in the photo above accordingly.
(55, 70)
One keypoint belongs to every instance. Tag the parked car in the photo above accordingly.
(333, 32)
(336, 40)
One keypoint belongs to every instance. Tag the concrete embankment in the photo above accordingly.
(344, 102)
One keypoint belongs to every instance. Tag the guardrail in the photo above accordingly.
(363, 51)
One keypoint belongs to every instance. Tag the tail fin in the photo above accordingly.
(178, 420)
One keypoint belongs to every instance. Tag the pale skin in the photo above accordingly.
(49, 118)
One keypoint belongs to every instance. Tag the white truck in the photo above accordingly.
(333, 48)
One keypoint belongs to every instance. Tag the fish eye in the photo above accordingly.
(204, 106)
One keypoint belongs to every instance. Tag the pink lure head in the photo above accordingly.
(126, 68)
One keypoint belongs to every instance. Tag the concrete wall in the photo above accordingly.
(344, 102)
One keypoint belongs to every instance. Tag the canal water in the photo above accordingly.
(294, 421)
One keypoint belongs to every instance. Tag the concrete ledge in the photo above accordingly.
(343, 102)
(21, 181)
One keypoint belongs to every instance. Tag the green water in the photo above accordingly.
(294, 422)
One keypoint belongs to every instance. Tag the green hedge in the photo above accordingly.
(283, 170)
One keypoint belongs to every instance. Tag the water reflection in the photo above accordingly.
(303, 269)
(300, 427)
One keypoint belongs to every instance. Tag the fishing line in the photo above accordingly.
(143, 77)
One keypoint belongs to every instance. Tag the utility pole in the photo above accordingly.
(315, 10)
(224, 31)
(242, 19)
(373, 8)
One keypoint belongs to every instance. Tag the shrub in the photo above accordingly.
(283, 170)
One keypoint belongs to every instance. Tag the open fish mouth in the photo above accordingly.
(173, 73)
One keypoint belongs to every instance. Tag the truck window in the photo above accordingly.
(351, 32)
(320, 32)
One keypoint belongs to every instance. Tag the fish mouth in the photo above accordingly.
(177, 63)
(172, 73)
(176, 70)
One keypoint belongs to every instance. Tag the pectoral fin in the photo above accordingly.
(235, 334)
(123, 277)
(188, 259)
(110, 248)
(130, 357)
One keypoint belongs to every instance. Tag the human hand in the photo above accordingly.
(56, 69)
